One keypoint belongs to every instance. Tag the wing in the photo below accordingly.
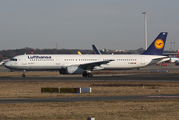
(90, 66)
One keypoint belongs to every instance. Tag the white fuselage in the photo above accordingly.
(173, 59)
(57, 62)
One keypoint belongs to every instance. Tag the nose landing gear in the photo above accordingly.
(23, 75)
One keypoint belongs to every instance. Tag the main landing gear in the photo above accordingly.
(87, 74)
(23, 75)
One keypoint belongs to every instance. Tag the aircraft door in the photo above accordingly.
(142, 60)
(57, 60)
(24, 61)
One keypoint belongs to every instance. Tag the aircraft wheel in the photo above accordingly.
(90, 75)
(23, 75)
(84, 74)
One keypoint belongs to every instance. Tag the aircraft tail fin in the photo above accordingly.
(79, 53)
(157, 47)
(31, 52)
(95, 50)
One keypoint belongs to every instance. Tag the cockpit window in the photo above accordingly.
(13, 59)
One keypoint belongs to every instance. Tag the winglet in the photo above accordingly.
(157, 47)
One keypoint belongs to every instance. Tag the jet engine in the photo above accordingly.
(71, 70)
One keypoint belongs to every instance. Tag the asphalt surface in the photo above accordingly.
(96, 98)
(121, 77)
(158, 73)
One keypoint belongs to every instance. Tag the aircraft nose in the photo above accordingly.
(7, 64)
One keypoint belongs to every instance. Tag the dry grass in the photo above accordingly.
(113, 110)
(32, 89)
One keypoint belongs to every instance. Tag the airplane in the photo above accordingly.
(85, 64)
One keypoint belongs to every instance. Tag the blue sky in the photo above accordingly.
(77, 24)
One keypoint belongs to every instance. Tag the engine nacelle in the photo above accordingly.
(71, 70)
(63, 71)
